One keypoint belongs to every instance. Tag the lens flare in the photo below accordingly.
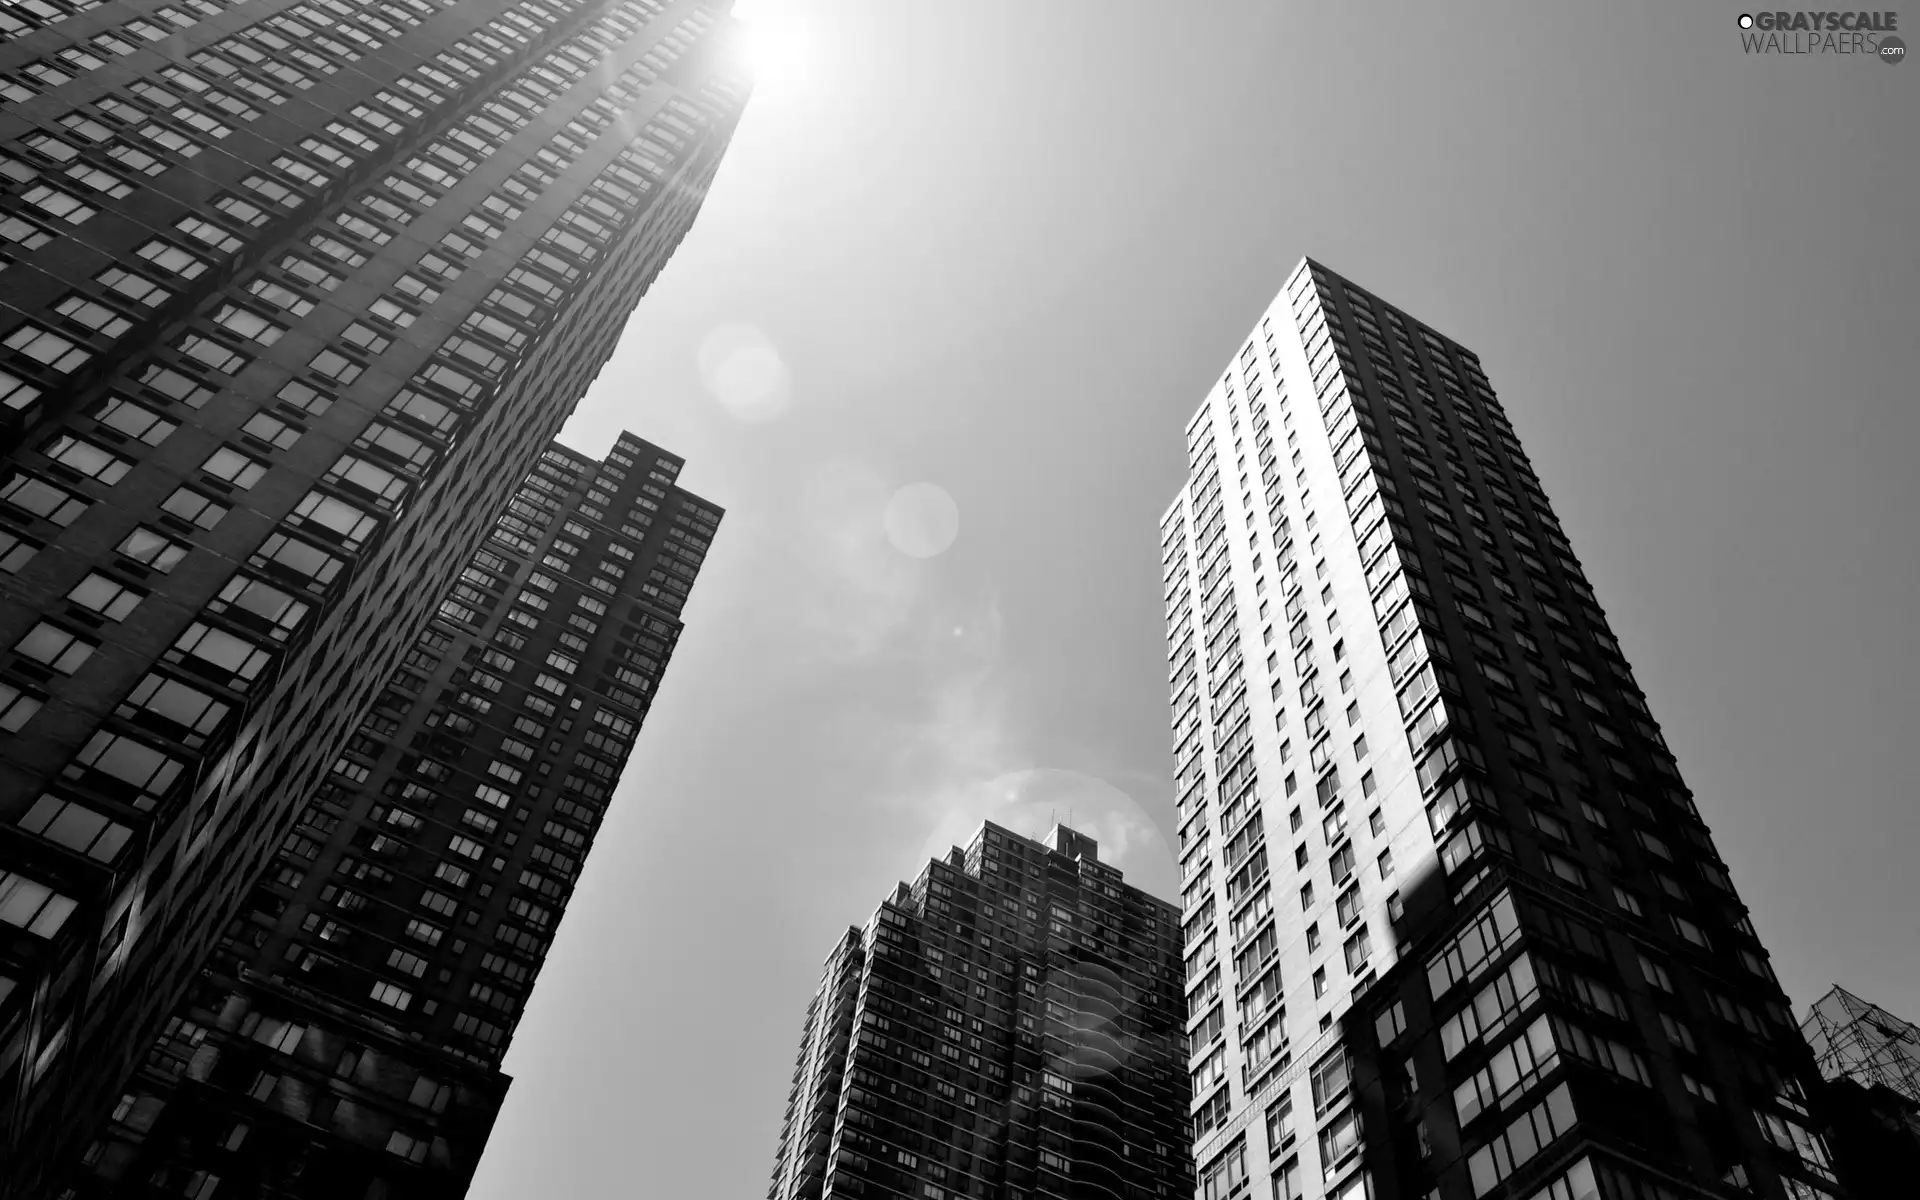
(743, 370)
(921, 520)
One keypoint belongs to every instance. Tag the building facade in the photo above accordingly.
(1453, 926)
(1008, 1026)
(1870, 1091)
(293, 293)
(345, 1038)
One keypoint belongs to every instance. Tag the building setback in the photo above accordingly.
(1008, 1026)
(346, 1036)
(1453, 925)
(293, 293)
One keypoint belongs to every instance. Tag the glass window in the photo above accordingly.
(134, 420)
(54, 647)
(76, 827)
(256, 602)
(33, 906)
(16, 709)
(190, 505)
(42, 499)
(137, 772)
(45, 347)
(1339, 1139)
(175, 708)
(224, 656)
(109, 598)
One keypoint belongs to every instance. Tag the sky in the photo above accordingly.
(967, 270)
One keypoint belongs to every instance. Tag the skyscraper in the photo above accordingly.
(1453, 925)
(346, 1037)
(291, 298)
(1008, 1026)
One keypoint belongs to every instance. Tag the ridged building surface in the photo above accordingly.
(1454, 927)
(293, 294)
(1006, 1026)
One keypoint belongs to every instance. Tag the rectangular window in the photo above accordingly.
(1492, 1009)
(189, 505)
(104, 596)
(33, 906)
(1338, 1140)
(233, 468)
(58, 204)
(1469, 951)
(130, 771)
(1357, 950)
(221, 656)
(335, 520)
(55, 648)
(1341, 865)
(46, 348)
(211, 354)
(1513, 1068)
(175, 709)
(42, 499)
(1514, 1147)
(132, 420)
(1329, 1082)
(259, 604)
(92, 315)
(76, 827)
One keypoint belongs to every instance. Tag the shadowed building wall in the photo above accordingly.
(1008, 1025)
(293, 293)
(345, 1037)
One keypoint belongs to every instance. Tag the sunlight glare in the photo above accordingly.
(777, 52)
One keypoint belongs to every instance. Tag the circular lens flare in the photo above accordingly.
(921, 520)
(744, 371)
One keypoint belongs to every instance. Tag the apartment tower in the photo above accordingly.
(1008, 1026)
(292, 297)
(345, 1037)
(1453, 926)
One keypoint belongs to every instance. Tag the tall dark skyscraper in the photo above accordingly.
(1454, 927)
(1006, 1027)
(346, 1036)
(292, 296)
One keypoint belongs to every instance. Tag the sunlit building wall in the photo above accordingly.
(1453, 925)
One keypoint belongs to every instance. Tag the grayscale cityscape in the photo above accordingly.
(554, 551)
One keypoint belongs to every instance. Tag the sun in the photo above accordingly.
(777, 50)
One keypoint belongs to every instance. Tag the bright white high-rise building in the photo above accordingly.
(1453, 926)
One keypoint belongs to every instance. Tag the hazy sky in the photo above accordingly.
(1003, 249)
